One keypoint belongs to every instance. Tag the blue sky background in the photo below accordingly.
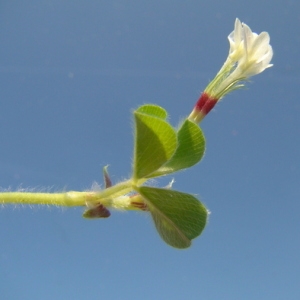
(70, 74)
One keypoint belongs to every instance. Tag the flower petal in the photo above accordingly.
(261, 44)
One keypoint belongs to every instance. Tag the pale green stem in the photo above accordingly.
(109, 197)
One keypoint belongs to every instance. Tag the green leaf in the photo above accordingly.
(178, 217)
(190, 150)
(155, 141)
(153, 110)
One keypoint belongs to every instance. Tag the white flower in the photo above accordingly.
(249, 54)
(252, 51)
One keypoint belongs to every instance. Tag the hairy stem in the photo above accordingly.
(108, 197)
